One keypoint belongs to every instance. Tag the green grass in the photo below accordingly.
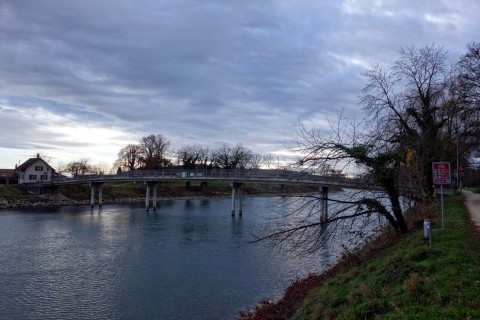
(10, 191)
(409, 280)
(131, 190)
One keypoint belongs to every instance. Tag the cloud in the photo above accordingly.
(205, 72)
(35, 129)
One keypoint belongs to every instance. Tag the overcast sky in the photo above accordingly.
(85, 78)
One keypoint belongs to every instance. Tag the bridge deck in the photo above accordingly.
(239, 176)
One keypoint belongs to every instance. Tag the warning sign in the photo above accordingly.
(441, 173)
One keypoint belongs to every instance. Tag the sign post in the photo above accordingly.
(441, 176)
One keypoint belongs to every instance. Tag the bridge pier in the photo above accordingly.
(324, 204)
(93, 187)
(152, 187)
(50, 190)
(237, 187)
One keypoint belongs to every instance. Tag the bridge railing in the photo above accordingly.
(199, 174)
(233, 175)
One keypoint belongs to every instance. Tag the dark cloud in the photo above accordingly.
(204, 72)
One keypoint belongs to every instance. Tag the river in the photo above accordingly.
(188, 260)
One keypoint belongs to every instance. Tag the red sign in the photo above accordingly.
(441, 173)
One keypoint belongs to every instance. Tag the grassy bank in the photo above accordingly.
(10, 191)
(113, 191)
(408, 280)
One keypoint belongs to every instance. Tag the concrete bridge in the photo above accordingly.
(236, 177)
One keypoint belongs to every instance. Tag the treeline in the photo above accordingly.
(154, 152)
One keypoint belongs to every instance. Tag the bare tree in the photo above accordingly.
(241, 157)
(129, 157)
(468, 75)
(269, 160)
(102, 168)
(147, 150)
(466, 110)
(221, 157)
(406, 102)
(154, 152)
(192, 156)
(227, 157)
(255, 161)
(79, 167)
(306, 225)
(403, 130)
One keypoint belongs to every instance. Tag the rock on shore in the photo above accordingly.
(35, 202)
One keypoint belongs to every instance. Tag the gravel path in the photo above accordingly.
(472, 201)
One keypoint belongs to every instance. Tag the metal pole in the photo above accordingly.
(443, 213)
(458, 173)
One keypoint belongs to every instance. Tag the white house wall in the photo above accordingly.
(33, 174)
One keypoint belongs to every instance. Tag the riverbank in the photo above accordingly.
(394, 277)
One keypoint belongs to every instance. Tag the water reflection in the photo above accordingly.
(237, 226)
(187, 260)
(325, 250)
(188, 203)
(204, 202)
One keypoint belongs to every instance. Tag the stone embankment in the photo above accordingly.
(34, 202)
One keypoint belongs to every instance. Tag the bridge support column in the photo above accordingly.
(155, 189)
(233, 201)
(100, 195)
(237, 187)
(93, 187)
(240, 200)
(324, 204)
(152, 187)
(147, 197)
(50, 190)
(92, 195)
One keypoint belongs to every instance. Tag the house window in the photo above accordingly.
(32, 177)
(38, 168)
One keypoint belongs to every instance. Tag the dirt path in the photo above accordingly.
(472, 201)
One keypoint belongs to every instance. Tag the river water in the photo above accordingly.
(188, 260)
